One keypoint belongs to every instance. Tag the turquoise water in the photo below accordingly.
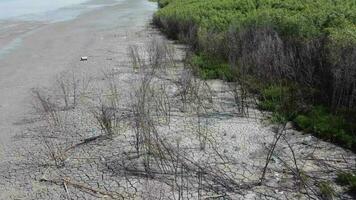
(42, 10)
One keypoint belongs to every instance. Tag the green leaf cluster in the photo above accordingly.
(348, 180)
(326, 125)
(211, 68)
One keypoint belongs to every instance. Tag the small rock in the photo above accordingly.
(84, 58)
(307, 140)
(225, 151)
(233, 136)
(289, 125)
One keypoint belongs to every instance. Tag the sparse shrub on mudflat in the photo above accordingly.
(348, 180)
(326, 191)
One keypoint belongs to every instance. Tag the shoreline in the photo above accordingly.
(57, 47)
(14, 29)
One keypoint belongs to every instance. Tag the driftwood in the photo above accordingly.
(63, 155)
(67, 182)
(85, 141)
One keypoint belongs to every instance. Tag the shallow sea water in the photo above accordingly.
(10, 9)
(15, 12)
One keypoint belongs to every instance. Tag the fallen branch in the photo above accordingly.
(66, 182)
(85, 141)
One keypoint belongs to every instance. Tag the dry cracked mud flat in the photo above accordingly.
(133, 122)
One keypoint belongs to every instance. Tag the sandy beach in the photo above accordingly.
(41, 51)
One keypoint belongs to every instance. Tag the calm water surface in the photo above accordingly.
(45, 10)
(14, 13)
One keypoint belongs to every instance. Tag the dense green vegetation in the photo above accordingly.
(291, 18)
(297, 56)
(326, 125)
(210, 68)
